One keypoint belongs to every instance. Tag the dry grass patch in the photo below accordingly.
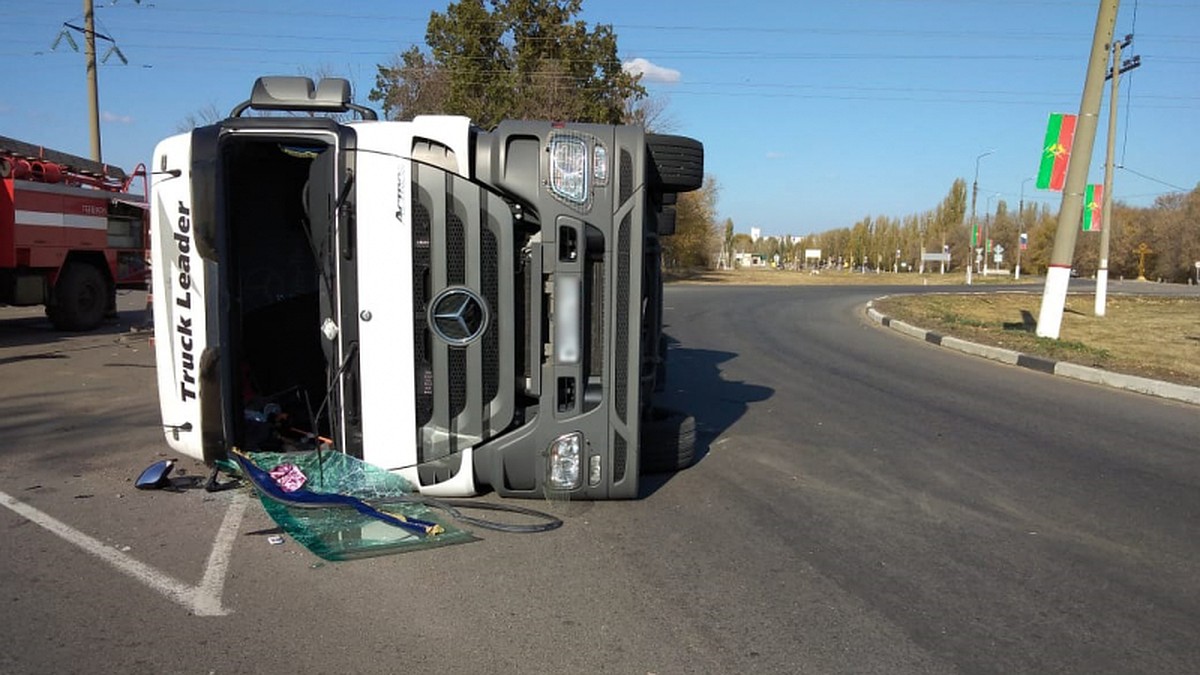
(1153, 337)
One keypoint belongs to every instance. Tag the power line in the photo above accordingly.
(973, 36)
(1152, 179)
(768, 89)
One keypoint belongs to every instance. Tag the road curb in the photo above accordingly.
(1141, 385)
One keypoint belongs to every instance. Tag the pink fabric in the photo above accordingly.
(289, 477)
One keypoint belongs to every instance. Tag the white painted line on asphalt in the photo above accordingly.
(208, 594)
(172, 588)
(203, 600)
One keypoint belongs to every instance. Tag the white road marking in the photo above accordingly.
(202, 600)
(208, 593)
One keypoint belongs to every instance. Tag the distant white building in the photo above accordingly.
(755, 234)
(745, 259)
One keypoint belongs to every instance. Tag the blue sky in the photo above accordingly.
(813, 114)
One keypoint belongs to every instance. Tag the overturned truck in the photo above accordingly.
(470, 308)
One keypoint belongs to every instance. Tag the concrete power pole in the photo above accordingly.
(89, 38)
(1058, 277)
(1106, 218)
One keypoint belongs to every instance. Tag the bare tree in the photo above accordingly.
(205, 116)
(652, 113)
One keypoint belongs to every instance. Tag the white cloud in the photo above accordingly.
(651, 72)
(113, 117)
(775, 154)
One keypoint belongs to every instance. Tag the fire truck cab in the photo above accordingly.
(71, 234)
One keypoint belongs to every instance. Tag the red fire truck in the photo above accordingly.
(71, 233)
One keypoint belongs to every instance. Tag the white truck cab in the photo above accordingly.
(470, 308)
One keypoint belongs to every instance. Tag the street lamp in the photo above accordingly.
(974, 194)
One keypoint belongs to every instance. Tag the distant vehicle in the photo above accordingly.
(466, 307)
(71, 234)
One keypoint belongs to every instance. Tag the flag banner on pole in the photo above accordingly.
(1093, 208)
(1024, 241)
(974, 234)
(1056, 151)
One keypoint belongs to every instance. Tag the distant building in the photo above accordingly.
(755, 234)
(745, 259)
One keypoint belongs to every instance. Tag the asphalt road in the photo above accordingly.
(864, 503)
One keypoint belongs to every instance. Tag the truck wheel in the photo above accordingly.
(81, 298)
(678, 161)
(668, 441)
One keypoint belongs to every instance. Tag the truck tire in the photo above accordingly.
(81, 298)
(678, 161)
(668, 441)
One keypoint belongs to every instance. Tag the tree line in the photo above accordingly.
(1170, 228)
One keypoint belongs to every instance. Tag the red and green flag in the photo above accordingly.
(1056, 151)
(1093, 208)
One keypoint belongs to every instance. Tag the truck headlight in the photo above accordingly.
(565, 462)
(569, 168)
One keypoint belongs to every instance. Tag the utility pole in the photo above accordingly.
(1106, 218)
(89, 50)
(1058, 277)
(88, 30)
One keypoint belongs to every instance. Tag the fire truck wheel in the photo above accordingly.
(81, 296)
(668, 441)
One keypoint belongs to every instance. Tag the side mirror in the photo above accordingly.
(156, 476)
